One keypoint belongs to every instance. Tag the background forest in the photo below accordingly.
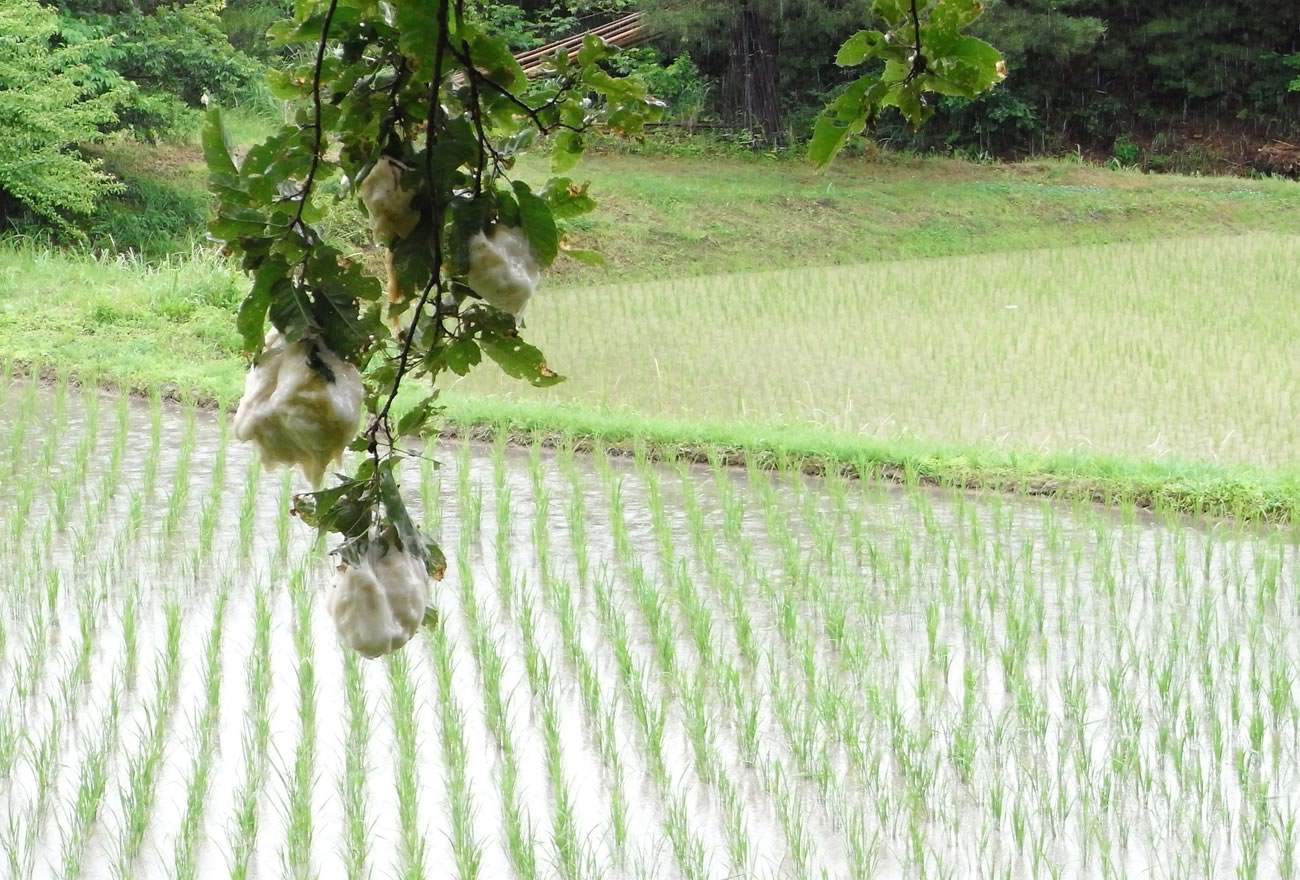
(1164, 85)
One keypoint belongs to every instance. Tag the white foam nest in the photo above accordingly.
(296, 414)
(502, 269)
(387, 202)
(379, 603)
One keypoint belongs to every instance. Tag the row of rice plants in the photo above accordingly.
(1172, 348)
(640, 671)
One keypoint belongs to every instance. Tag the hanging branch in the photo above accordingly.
(372, 95)
(318, 132)
(439, 218)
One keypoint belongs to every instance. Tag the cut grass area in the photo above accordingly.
(666, 217)
(146, 327)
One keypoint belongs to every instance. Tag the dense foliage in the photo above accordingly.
(420, 111)
(1079, 70)
(768, 57)
(525, 24)
(924, 52)
(171, 53)
(1093, 70)
(50, 100)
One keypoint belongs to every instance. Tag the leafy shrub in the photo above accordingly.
(156, 212)
(181, 51)
(1126, 152)
(50, 103)
(679, 84)
(173, 55)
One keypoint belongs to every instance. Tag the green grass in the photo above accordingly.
(1178, 348)
(164, 204)
(165, 325)
(666, 217)
(1006, 357)
(1161, 374)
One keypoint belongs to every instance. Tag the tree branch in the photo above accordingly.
(439, 218)
(319, 133)
(533, 113)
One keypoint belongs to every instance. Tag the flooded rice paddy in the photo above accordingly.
(643, 670)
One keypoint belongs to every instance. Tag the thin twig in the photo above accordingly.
(533, 113)
(319, 133)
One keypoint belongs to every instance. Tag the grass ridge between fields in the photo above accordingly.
(1167, 486)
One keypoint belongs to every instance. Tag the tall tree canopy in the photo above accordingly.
(50, 100)
(1080, 70)
(768, 55)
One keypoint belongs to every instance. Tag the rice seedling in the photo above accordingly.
(466, 849)
(145, 764)
(355, 844)
(256, 737)
(185, 852)
(296, 852)
(411, 851)
(92, 782)
(518, 835)
(767, 674)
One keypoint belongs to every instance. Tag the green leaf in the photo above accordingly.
(347, 509)
(566, 150)
(251, 320)
(538, 223)
(507, 208)
(894, 12)
(493, 55)
(567, 199)
(952, 15)
(909, 100)
(338, 287)
(468, 218)
(416, 419)
(613, 87)
(338, 316)
(971, 64)
(457, 146)
(519, 360)
(291, 311)
(436, 564)
(216, 147)
(417, 23)
(594, 49)
(582, 255)
(412, 259)
(462, 356)
(286, 85)
(829, 137)
(234, 223)
(398, 516)
(859, 47)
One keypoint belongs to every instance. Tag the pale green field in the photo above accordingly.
(1178, 348)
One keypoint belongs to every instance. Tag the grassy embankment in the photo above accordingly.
(1116, 367)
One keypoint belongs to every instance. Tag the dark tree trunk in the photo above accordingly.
(749, 86)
